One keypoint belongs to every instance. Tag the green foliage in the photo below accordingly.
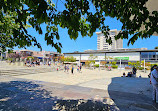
(77, 17)
(87, 63)
(141, 68)
(109, 63)
(92, 57)
(156, 47)
(135, 64)
(114, 66)
(113, 63)
(96, 65)
(153, 65)
(28, 58)
(92, 61)
(70, 59)
(10, 59)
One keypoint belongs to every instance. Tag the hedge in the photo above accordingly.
(96, 65)
(114, 66)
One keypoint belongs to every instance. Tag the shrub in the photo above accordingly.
(113, 63)
(127, 67)
(96, 65)
(114, 66)
(141, 68)
(153, 65)
(106, 66)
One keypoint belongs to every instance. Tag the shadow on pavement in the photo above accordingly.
(131, 94)
(29, 96)
(24, 96)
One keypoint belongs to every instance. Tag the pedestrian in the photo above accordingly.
(134, 70)
(72, 69)
(49, 63)
(154, 82)
(152, 68)
(65, 68)
(57, 68)
(80, 68)
(68, 68)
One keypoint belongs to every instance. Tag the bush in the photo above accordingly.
(113, 63)
(127, 67)
(141, 68)
(114, 66)
(153, 65)
(106, 66)
(96, 65)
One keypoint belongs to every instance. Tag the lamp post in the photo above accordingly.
(144, 66)
(120, 63)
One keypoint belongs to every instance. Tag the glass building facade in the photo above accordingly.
(149, 56)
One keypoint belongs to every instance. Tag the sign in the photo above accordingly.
(121, 58)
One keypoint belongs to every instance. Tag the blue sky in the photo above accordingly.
(81, 44)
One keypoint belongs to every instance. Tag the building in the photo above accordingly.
(2, 55)
(37, 55)
(125, 55)
(101, 41)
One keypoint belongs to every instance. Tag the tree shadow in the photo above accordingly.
(25, 96)
(130, 93)
(30, 96)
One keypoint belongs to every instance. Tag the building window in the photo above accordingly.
(149, 55)
(112, 33)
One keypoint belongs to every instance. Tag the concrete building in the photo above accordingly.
(101, 41)
(126, 55)
(37, 55)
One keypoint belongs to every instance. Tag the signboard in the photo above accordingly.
(121, 58)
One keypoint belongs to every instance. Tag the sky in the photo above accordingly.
(85, 43)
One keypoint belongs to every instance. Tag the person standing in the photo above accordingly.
(72, 69)
(152, 68)
(134, 71)
(80, 68)
(154, 82)
(65, 68)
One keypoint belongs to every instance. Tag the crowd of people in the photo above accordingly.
(67, 67)
(131, 73)
(35, 63)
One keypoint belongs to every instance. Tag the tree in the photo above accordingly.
(87, 63)
(92, 58)
(77, 17)
(135, 64)
(70, 59)
(62, 58)
(156, 47)
(103, 62)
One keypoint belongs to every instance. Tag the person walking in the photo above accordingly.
(154, 82)
(72, 69)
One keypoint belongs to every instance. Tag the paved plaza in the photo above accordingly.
(42, 88)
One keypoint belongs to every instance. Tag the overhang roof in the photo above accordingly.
(113, 51)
